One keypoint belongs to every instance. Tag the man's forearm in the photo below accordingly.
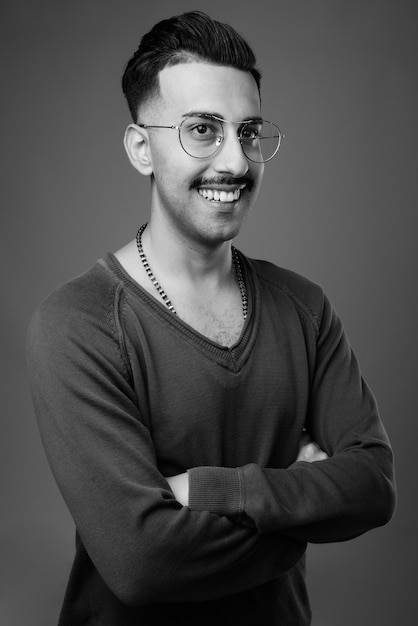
(309, 451)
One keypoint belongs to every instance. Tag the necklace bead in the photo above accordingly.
(166, 300)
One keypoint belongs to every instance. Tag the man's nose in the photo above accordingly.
(230, 157)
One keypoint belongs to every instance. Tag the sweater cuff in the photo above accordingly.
(216, 489)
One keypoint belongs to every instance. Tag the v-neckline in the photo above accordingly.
(232, 357)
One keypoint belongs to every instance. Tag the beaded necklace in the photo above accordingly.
(166, 300)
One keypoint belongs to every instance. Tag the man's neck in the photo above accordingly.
(177, 256)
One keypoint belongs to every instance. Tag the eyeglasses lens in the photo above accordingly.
(260, 141)
(201, 137)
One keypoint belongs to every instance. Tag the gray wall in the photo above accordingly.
(338, 205)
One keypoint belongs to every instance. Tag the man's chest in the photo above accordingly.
(207, 406)
(223, 327)
(219, 319)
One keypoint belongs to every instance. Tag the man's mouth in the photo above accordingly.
(222, 189)
(218, 195)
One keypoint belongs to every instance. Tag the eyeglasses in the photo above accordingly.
(202, 135)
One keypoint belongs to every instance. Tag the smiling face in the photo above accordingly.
(205, 200)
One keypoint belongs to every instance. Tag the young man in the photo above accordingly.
(180, 387)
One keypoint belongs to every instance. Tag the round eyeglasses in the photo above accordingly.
(202, 135)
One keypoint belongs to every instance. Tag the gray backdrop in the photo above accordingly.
(338, 205)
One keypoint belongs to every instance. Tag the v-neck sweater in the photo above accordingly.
(126, 394)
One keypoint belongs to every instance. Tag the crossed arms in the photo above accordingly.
(309, 452)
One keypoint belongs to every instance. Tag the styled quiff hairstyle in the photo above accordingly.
(185, 38)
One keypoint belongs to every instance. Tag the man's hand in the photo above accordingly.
(309, 450)
(180, 487)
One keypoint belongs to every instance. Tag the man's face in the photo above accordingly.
(184, 188)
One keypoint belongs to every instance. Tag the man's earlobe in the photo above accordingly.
(137, 148)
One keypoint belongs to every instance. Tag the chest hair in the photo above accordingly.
(222, 325)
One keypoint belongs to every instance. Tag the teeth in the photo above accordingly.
(220, 196)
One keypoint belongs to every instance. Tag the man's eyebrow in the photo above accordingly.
(202, 114)
(255, 119)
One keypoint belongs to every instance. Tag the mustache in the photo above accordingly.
(222, 180)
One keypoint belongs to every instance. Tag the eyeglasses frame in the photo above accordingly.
(221, 120)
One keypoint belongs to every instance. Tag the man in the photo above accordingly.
(181, 387)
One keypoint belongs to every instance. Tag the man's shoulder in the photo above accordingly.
(86, 297)
(89, 288)
(306, 294)
(77, 325)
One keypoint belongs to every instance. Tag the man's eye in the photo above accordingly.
(250, 133)
(202, 129)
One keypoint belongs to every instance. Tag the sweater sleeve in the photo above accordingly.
(331, 500)
(145, 546)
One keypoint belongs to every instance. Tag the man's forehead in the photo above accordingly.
(211, 88)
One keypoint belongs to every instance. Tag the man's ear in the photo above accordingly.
(136, 142)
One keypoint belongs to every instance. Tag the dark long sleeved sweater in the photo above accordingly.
(125, 393)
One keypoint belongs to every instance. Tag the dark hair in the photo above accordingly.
(185, 38)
